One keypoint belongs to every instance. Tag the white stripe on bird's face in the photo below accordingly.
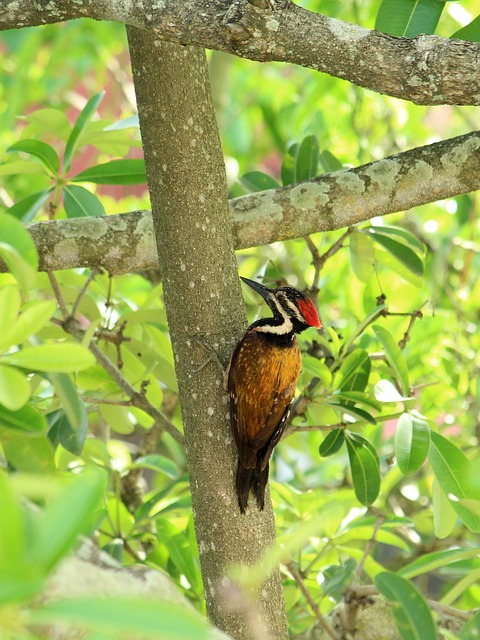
(280, 329)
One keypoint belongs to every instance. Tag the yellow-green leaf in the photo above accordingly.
(14, 388)
(66, 358)
(9, 307)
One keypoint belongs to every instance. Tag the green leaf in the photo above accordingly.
(9, 308)
(53, 121)
(255, 181)
(362, 256)
(31, 455)
(27, 208)
(377, 312)
(130, 171)
(178, 550)
(451, 466)
(388, 260)
(116, 549)
(40, 150)
(271, 119)
(411, 613)
(436, 560)
(454, 473)
(26, 420)
(21, 167)
(307, 159)
(358, 397)
(332, 443)
(406, 256)
(412, 441)
(67, 517)
(471, 504)
(316, 369)
(394, 357)
(470, 31)
(156, 462)
(397, 233)
(78, 127)
(14, 388)
(119, 616)
(444, 515)
(12, 530)
(64, 358)
(408, 17)
(117, 418)
(365, 468)
(355, 371)
(337, 578)
(18, 250)
(471, 630)
(79, 202)
(33, 318)
(329, 162)
(125, 123)
(348, 408)
(72, 423)
(289, 165)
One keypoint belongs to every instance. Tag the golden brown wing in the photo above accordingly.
(261, 384)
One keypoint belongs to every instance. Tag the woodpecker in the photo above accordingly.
(260, 381)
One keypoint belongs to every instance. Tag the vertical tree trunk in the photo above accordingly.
(186, 176)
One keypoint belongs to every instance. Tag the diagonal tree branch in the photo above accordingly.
(425, 70)
(125, 243)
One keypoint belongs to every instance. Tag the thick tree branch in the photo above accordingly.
(425, 70)
(125, 243)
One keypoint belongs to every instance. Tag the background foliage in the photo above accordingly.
(385, 435)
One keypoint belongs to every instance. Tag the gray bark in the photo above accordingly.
(425, 70)
(125, 243)
(204, 306)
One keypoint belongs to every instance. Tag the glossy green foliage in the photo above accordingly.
(59, 184)
(409, 17)
(413, 617)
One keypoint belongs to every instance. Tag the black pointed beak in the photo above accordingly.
(264, 291)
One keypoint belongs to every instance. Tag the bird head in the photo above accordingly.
(288, 303)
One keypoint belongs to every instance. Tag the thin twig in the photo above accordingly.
(336, 246)
(117, 403)
(406, 336)
(351, 598)
(319, 427)
(58, 295)
(368, 550)
(94, 272)
(319, 260)
(136, 398)
(322, 620)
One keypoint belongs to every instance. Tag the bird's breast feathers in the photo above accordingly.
(262, 383)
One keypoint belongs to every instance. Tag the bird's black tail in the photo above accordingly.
(247, 479)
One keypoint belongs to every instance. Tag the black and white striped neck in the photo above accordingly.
(281, 325)
(274, 326)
